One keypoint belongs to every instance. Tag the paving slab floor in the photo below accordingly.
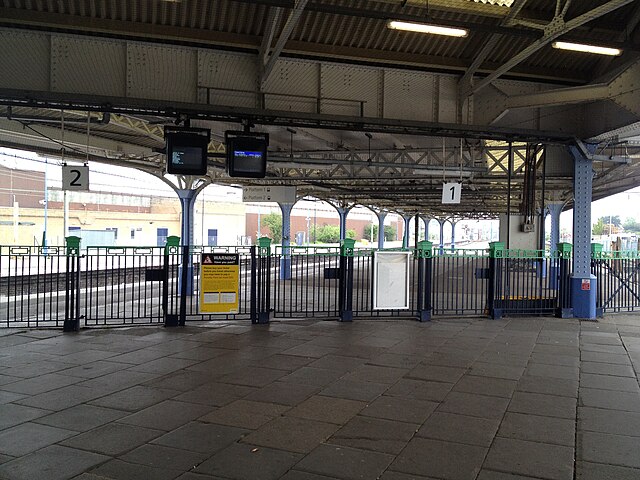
(451, 399)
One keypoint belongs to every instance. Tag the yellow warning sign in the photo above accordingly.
(219, 282)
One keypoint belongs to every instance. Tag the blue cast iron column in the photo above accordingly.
(187, 203)
(583, 283)
(453, 235)
(441, 245)
(381, 216)
(285, 259)
(555, 209)
(343, 212)
(405, 234)
(426, 221)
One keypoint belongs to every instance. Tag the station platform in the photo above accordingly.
(521, 398)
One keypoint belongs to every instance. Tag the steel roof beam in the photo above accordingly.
(556, 28)
(466, 80)
(133, 106)
(289, 25)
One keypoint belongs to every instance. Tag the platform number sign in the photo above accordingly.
(451, 192)
(75, 177)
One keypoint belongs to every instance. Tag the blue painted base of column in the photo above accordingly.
(496, 314)
(425, 316)
(584, 301)
(263, 317)
(189, 289)
(554, 279)
(346, 316)
(285, 268)
(541, 268)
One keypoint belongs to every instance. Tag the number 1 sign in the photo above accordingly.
(75, 177)
(451, 192)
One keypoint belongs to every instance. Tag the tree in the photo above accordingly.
(351, 233)
(273, 221)
(631, 225)
(613, 220)
(327, 234)
(389, 232)
(599, 227)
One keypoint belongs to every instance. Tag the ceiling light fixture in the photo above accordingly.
(580, 47)
(500, 3)
(427, 28)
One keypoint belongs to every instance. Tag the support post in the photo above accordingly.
(563, 254)
(555, 209)
(596, 269)
(263, 285)
(426, 222)
(345, 291)
(170, 248)
(441, 245)
(405, 233)
(187, 203)
(583, 283)
(424, 253)
(381, 216)
(342, 213)
(494, 285)
(453, 235)
(285, 259)
(72, 281)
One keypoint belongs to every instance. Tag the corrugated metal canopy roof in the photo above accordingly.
(354, 29)
(400, 172)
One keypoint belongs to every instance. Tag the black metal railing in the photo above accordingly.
(460, 282)
(110, 286)
(618, 281)
(305, 281)
(33, 283)
(524, 283)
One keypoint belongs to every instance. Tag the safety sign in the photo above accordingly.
(219, 282)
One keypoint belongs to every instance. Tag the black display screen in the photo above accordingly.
(186, 150)
(246, 154)
(189, 157)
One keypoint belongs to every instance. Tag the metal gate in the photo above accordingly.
(618, 280)
(305, 281)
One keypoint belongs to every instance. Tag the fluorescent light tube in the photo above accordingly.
(427, 28)
(501, 3)
(580, 47)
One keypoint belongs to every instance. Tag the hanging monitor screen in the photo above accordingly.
(246, 154)
(186, 150)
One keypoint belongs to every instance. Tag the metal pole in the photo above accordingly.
(46, 201)
(509, 170)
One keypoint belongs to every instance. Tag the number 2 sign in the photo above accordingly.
(75, 177)
(451, 192)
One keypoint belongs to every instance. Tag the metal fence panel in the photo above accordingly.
(618, 281)
(460, 282)
(33, 286)
(305, 282)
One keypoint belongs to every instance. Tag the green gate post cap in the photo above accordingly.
(346, 247)
(425, 249)
(596, 249)
(171, 244)
(494, 248)
(264, 242)
(564, 247)
(73, 245)
(425, 245)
